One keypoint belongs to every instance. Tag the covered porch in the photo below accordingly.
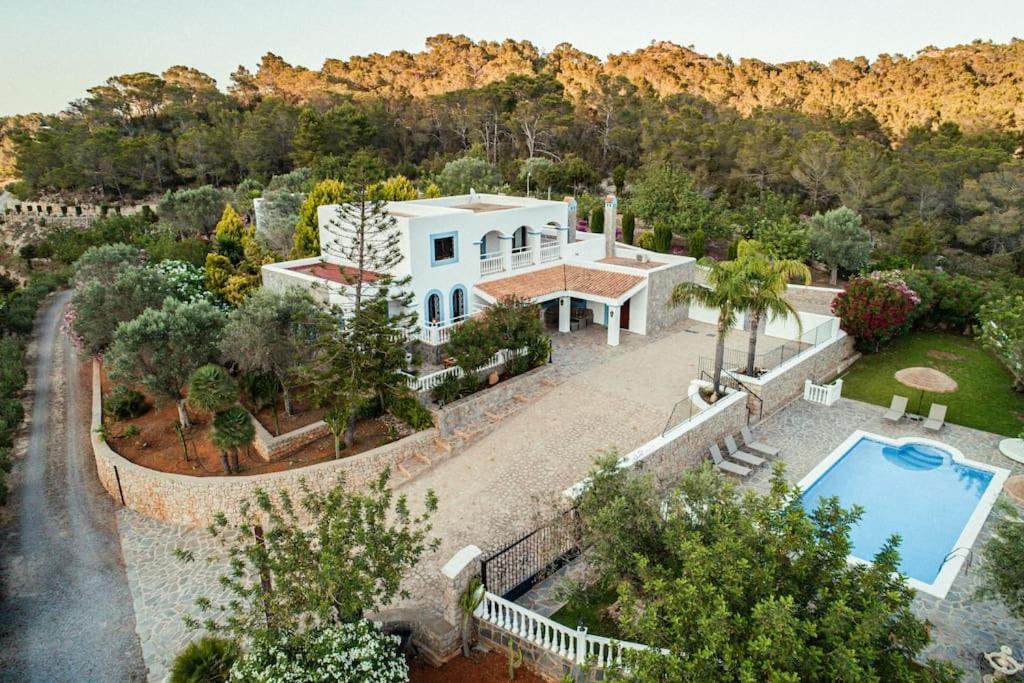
(579, 295)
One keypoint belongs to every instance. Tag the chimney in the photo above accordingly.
(611, 205)
(571, 201)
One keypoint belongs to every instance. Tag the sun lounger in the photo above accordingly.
(752, 444)
(737, 454)
(897, 409)
(726, 466)
(936, 417)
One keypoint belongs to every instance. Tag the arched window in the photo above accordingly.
(519, 237)
(458, 303)
(434, 313)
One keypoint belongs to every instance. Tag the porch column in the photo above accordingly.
(506, 253)
(613, 325)
(564, 312)
(571, 201)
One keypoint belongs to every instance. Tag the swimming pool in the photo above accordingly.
(923, 490)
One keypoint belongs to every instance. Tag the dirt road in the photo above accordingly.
(65, 608)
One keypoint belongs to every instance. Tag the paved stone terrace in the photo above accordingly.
(963, 626)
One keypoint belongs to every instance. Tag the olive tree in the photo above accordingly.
(839, 240)
(160, 348)
(100, 306)
(269, 333)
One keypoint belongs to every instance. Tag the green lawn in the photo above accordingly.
(985, 400)
(588, 609)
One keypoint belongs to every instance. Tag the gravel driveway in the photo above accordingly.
(64, 599)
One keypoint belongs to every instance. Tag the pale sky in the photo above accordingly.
(52, 50)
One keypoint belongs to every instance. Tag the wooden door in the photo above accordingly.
(624, 316)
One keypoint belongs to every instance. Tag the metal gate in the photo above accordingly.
(514, 569)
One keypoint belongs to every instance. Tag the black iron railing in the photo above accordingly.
(512, 570)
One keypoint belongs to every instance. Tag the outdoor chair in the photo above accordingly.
(897, 409)
(726, 466)
(752, 444)
(736, 453)
(936, 417)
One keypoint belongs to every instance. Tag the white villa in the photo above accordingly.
(466, 252)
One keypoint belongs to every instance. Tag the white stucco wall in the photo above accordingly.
(421, 220)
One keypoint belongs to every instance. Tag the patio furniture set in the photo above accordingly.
(742, 461)
(898, 410)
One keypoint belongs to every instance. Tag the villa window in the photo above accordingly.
(519, 238)
(443, 249)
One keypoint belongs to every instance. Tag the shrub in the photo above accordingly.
(411, 411)
(695, 245)
(12, 370)
(5, 468)
(628, 227)
(358, 652)
(597, 220)
(124, 403)
(448, 390)
(206, 660)
(646, 241)
(11, 415)
(472, 344)
(662, 237)
(874, 310)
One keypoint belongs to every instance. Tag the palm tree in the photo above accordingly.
(729, 292)
(768, 279)
(211, 390)
(232, 429)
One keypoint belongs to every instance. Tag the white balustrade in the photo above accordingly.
(573, 644)
(428, 382)
(492, 263)
(550, 252)
(522, 257)
(825, 394)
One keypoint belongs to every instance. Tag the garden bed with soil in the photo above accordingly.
(151, 440)
(481, 667)
(302, 415)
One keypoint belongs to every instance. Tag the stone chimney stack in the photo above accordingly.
(611, 207)
(571, 201)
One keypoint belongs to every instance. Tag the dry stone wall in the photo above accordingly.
(785, 383)
(194, 501)
(660, 284)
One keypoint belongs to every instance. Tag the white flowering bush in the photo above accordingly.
(186, 281)
(357, 652)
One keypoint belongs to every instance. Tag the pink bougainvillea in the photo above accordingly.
(875, 309)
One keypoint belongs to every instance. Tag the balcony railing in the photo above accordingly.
(522, 257)
(492, 263)
(550, 252)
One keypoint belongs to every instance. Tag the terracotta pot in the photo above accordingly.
(492, 379)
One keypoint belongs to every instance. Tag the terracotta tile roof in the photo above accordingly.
(334, 273)
(537, 283)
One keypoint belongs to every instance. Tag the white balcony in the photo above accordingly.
(550, 252)
(492, 263)
(522, 258)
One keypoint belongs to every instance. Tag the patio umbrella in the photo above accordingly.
(926, 379)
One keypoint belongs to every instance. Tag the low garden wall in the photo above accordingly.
(272, 447)
(471, 411)
(194, 501)
(811, 299)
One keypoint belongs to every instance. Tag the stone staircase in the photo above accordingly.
(461, 439)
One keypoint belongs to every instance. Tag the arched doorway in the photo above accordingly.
(458, 303)
(519, 237)
(435, 313)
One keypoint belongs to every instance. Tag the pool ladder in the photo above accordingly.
(956, 552)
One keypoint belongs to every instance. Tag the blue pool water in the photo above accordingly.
(915, 490)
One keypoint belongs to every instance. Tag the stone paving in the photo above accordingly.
(164, 588)
(963, 626)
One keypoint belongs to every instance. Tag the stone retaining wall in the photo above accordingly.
(786, 382)
(811, 299)
(194, 501)
(471, 411)
(272, 447)
(538, 660)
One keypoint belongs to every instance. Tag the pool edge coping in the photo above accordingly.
(940, 587)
